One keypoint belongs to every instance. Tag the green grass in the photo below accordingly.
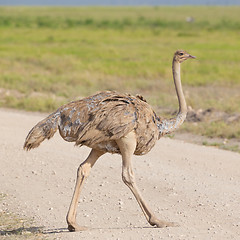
(234, 148)
(210, 18)
(218, 129)
(50, 55)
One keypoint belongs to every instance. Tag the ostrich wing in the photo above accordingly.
(112, 119)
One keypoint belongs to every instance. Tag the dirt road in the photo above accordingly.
(195, 186)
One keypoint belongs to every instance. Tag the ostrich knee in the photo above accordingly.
(128, 177)
(83, 170)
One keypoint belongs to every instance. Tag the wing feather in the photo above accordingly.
(114, 119)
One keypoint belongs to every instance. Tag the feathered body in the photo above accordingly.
(97, 121)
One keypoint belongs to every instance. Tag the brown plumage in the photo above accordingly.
(115, 123)
(97, 121)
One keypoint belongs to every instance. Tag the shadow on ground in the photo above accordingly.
(22, 230)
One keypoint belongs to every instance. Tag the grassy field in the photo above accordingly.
(52, 55)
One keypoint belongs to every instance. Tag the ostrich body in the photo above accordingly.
(115, 123)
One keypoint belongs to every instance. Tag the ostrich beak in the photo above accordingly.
(190, 56)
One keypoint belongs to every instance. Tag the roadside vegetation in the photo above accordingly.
(51, 55)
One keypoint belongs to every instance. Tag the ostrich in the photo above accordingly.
(114, 123)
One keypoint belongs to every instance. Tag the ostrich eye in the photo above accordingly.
(180, 53)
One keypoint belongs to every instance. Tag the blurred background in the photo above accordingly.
(120, 2)
(52, 52)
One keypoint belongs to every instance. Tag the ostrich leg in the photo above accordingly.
(127, 147)
(82, 174)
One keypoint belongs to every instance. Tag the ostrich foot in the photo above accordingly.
(76, 228)
(161, 224)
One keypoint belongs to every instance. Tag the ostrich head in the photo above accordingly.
(181, 55)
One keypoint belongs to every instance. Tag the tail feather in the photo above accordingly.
(45, 129)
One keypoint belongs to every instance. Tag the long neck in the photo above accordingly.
(167, 126)
(178, 86)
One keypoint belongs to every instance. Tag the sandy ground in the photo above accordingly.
(195, 186)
